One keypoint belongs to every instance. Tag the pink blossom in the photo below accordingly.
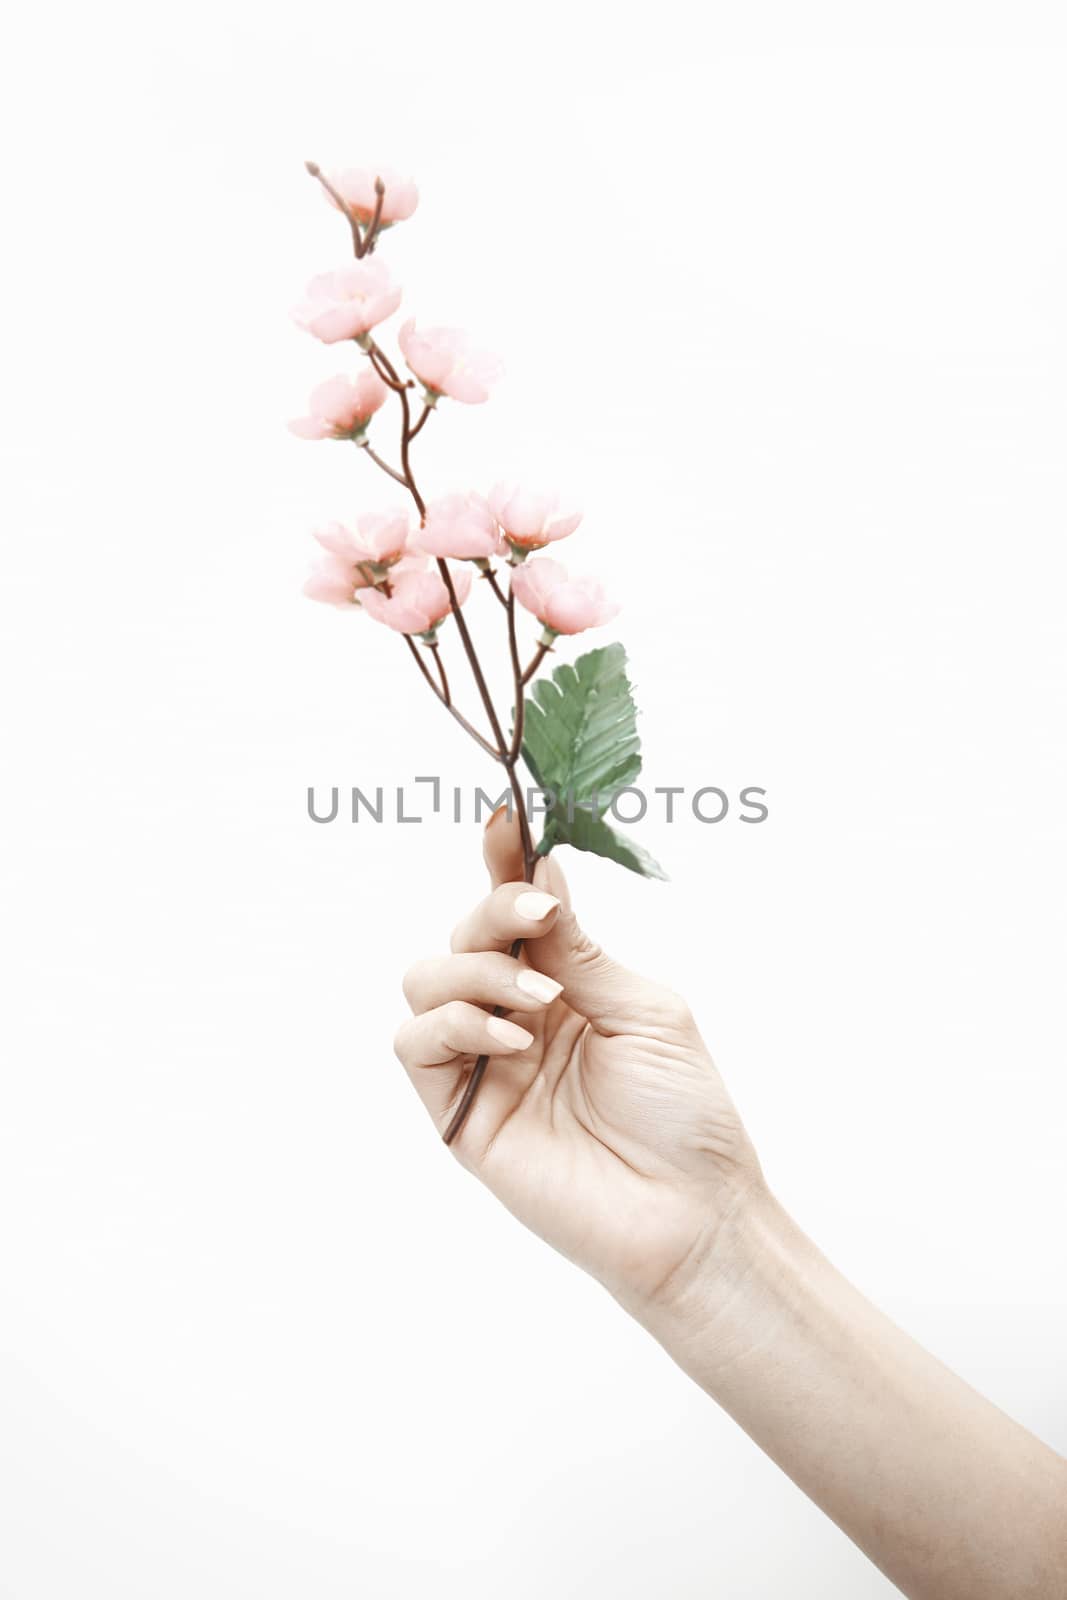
(353, 562)
(461, 526)
(383, 537)
(563, 604)
(335, 582)
(347, 303)
(341, 407)
(530, 518)
(356, 187)
(444, 360)
(418, 602)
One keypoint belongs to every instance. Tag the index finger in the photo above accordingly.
(513, 911)
(502, 847)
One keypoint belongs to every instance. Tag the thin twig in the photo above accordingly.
(435, 650)
(516, 673)
(417, 429)
(491, 579)
(378, 462)
(458, 715)
(472, 656)
(538, 656)
(504, 750)
(358, 244)
(478, 1071)
(371, 238)
(385, 369)
(389, 373)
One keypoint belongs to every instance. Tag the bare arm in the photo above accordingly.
(604, 1126)
(947, 1495)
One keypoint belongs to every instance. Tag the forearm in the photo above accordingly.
(952, 1499)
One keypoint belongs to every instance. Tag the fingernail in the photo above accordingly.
(539, 984)
(499, 812)
(534, 905)
(509, 1033)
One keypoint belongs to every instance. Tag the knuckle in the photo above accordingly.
(412, 981)
(401, 1039)
(418, 980)
(453, 1018)
(587, 954)
(578, 942)
(674, 1008)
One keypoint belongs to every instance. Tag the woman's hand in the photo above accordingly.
(604, 1126)
(602, 1122)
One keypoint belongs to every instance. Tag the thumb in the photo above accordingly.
(607, 994)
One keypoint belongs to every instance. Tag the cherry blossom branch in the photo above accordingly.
(504, 750)
(391, 376)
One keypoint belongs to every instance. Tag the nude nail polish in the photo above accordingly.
(537, 984)
(535, 905)
(509, 1033)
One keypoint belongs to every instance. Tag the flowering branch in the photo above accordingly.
(383, 569)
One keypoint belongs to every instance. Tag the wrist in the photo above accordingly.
(733, 1291)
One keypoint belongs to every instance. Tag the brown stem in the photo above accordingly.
(538, 656)
(378, 462)
(499, 752)
(516, 672)
(388, 372)
(529, 860)
(504, 750)
(491, 580)
(358, 243)
(417, 429)
(385, 369)
(467, 727)
(472, 657)
(371, 237)
(435, 650)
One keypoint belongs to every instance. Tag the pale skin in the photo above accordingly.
(603, 1125)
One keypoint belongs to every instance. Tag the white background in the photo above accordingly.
(782, 297)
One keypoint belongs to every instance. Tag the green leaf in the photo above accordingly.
(581, 743)
(586, 832)
(580, 735)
